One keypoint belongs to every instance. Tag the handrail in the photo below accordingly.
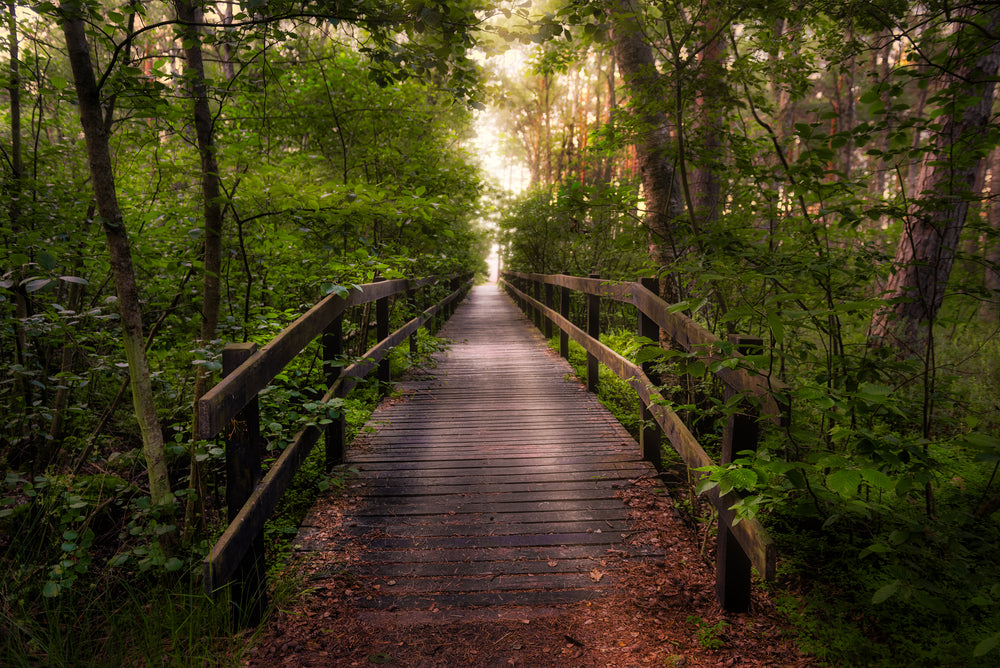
(233, 402)
(751, 536)
(682, 329)
(220, 404)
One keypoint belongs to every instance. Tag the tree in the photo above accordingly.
(946, 185)
(72, 15)
(656, 151)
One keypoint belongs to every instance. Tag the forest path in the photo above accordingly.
(501, 516)
(492, 481)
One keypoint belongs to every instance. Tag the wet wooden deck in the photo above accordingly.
(492, 481)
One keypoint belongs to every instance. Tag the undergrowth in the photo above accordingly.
(91, 575)
(867, 575)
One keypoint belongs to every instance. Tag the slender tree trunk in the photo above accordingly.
(187, 13)
(21, 308)
(654, 148)
(705, 182)
(926, 250)
(14, 90)
(105, 195)
(991, 307)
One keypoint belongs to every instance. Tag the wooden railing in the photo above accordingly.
(237, 559)
(742, 544)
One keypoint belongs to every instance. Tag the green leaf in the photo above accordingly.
(777, 327)
(987, 645)
(36, 284)
(877, 479)
(743, 478)
(845, 481)
(51, 589)
(696, 368)
(885, 592)
(173, 564)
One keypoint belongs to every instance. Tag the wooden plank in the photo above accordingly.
(474, 568)
(396, 527)
(528, 517)
(536, 598)
(497, 582)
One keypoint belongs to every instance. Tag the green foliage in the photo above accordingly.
(576, 230)
(710, 636)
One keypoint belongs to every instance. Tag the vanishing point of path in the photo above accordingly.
(492, 481)
(500, 516)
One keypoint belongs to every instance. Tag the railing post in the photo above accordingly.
(732, 584)
(536, 292)
(455, 283)
(548, 302)
(649, 431)
(594, 331)
(335, 436)
(248, 591)
(414, 311)
(382, 332)
(564, 295)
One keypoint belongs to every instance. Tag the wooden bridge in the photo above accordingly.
(492, 480)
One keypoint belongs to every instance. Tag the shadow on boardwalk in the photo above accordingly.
(501, 516)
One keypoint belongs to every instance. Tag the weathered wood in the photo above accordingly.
(382, 333)
(333, 351)
(649, 433)
(463, 468)
(681, 329)
(733, 585)
(750, 534)
(228, 552)
(564, 297)
(593, 332)
(232, 393)
(243, 471)
(549, 290)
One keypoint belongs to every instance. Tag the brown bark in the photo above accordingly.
(990, 309)
(654, 148)
(14, 90)
(188, 14)
(705, 182)
(926, 250)
(120, 256)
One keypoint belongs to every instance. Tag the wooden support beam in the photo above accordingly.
(333, 352)
(248, 592)
(649, 432)
(594, 331)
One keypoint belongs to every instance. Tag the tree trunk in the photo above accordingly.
(655, 152)
(991, 307)
(926, 250)
(706, 185)
(211, 189)
(105, 195)
(14, 89)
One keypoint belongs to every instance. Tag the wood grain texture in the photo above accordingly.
(491, 482)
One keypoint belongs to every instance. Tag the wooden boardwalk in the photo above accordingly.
(492, 481)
